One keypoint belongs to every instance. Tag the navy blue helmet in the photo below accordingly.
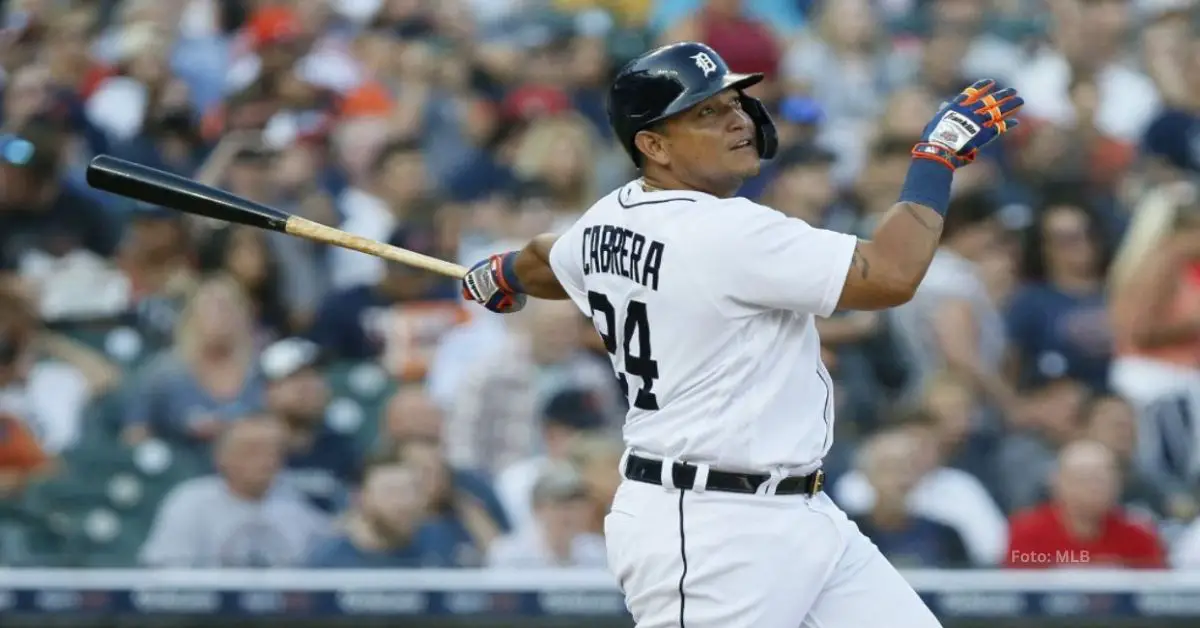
(670, 80)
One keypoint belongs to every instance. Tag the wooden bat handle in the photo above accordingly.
(304, 228)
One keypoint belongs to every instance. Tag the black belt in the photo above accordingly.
(684, 476)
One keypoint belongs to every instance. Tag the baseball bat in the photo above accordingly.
(150, 185)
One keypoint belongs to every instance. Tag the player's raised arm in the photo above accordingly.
(886, 270)
(502, 281)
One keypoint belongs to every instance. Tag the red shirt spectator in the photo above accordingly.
(1040, 539)
(1082, 526)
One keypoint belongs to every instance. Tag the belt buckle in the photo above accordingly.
(818, 482)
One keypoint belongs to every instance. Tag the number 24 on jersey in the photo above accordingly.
(635, 324)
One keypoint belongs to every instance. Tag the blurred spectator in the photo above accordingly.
(952, 322)
(21, 458)
(566, 415)
(803, 185)
(244, 255)
(888, 462)
(1058, 321)
(158, 260)
(399, 318)
(556, 535)
(784, 16)
(42, 222)
(494, 422)
(242, 517)
(386, 529)
(1083, 525)
(842, 62)
(558, 151)
(1155, 309)
(1057, 408)
(1085, 41)
(466, 519)
(598, 459)
(47, 380)
(141, 83)
(321, 463)
(1111, 421)
(411, 416)
(396, 196)
(207, 380)
(746, 41)
(943, 493)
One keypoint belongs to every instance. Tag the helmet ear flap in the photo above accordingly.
(766, 138)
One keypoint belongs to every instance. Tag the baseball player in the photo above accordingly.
(705, 302)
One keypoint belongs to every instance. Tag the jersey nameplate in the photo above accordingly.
(622, 252)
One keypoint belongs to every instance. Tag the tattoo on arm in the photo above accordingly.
(924, 222)
(859, 262)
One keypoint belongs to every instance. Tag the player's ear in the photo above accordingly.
(653, 147)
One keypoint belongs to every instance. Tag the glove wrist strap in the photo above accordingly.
(928, 182)
(507, 275)
(937, 152)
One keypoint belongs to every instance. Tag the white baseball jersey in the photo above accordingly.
(706, 307)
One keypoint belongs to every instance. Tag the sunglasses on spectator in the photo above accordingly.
(15, 151)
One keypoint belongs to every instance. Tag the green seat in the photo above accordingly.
(360, 391)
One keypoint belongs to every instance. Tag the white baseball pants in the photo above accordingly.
(688, 559)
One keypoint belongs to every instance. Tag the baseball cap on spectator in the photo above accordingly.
(559, 482)
(535, 101)
(273, 25)
(801, 110)
(576, 409)
(289, 356)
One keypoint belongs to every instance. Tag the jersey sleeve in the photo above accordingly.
(568, 269)
(765, 259)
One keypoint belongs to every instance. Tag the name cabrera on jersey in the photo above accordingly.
(705, 306)
(622, 252)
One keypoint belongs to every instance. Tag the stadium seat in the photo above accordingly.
(359, 391)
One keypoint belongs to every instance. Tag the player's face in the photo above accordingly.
(714, 140)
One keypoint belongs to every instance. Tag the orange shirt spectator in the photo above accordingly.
(20, 455)
(1083, 526)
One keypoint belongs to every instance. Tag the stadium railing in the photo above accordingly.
(578, 598)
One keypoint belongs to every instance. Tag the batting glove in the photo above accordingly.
(968, 123)
(493, 283)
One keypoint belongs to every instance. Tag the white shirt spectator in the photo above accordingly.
(1128, 98)
(369, 216)
(514, 488)
(51, 402)
(946, 495)
(526, 549)
(1186, 551)
(202, 524)
(457, 350)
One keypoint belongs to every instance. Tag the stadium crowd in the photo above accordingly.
(180, 392)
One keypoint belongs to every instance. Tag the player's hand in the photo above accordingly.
(968, 123)
(489, 282)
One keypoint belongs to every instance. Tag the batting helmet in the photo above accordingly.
(669, 80)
